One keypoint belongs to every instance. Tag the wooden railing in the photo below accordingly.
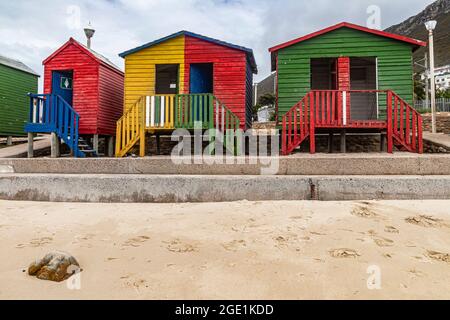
(130, 127)
(194, 108)
(296, 124)
(332, 109)
(404, 124)
(51, 113)
(161, 112)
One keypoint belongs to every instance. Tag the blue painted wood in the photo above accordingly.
(201, 78)
(59, 87)
(51, 113)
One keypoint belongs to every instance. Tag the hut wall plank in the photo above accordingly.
(14, 102)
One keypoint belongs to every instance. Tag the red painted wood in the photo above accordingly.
(401, 118)
(229, 72)
(295, 125)
(93, 81)
(407, 133)
(110, 100)
(312, 140)
(283, 138)
(351, 26)
(390, 141)
(413, 130)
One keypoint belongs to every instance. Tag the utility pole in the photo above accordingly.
(431, 25)
(427, 89)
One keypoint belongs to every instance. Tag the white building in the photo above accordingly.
(442, 77)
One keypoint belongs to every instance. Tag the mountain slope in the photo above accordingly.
(414, 27)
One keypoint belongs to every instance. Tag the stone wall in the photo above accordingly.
(442, 122)
(430, 147)
(355, 143)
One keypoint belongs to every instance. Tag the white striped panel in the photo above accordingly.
(34, 110)
(217, 114)
(344, 107)
(223, 118)
(163, 109)
(147, 111)
(41, 111)
(152, 111)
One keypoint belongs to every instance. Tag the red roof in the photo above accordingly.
(351, 26)
(94, 55)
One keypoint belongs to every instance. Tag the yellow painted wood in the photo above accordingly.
(129, 129)
(140, 68)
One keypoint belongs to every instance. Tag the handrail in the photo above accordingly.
(296, 125)
(332, 108)
(129, 127)
(162, 112)
(404, 124)
(51, 113)
(193, 108)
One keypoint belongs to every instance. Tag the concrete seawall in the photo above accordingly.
(318, 164)
(207, 188)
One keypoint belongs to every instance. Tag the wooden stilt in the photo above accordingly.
(95, 143)
(330, 142)
(54, 145)
(109, 146)
(383, 142)
(142, 143)
(343, 146)
(30, 145)
(158, 144)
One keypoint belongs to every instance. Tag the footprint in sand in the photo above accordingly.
(343, 253)
(382, 242)
(439, 256)
(136, 241)
(426, 221)
(178, 246)
(364, 212)
(234, 245)
(391, 229)
(416, 273)
(37, 242)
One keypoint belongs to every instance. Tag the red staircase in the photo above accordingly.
(331, 109)
(404, 127)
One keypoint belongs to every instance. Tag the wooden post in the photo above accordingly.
(343, 146)
(383, 142)
(158, 144)
(330, 142)
(312, 125)
(9, 140)
(390, 139)
(142, 112)
(110, 146)
(30, 145)
(95, 143)
(54, 145)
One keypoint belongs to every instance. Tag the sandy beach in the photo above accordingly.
(239, 250)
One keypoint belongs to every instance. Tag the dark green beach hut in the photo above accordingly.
(16, 80)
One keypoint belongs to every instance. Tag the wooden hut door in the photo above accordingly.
(62, 85)
(201, 78)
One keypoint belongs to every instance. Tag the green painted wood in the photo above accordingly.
(394, 64)
(14, 102)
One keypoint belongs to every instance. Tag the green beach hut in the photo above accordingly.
(16, 80)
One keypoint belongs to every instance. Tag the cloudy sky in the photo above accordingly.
(31, 30)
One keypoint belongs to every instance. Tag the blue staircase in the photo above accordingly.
(51, 113)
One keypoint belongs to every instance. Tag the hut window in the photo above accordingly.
(323, 74)
(166, 80)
